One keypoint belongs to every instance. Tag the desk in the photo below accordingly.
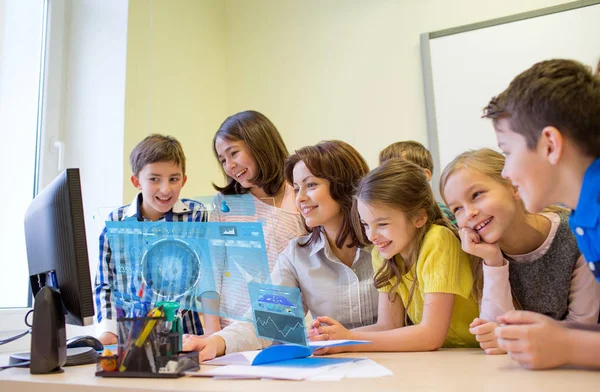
(443, 370)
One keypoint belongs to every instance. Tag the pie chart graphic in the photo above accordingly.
(171, 269)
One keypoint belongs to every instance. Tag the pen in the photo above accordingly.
(139, 342)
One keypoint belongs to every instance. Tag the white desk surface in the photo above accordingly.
(443, 370)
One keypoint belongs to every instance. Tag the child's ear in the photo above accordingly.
(515, 192)
(551, 144)
(428, 174)
(136, 181)
(184, 181)
(420, 219)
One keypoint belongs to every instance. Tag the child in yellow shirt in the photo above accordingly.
(422, 272)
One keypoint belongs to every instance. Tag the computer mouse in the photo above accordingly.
(85, 341)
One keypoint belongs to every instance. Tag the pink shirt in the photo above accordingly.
(280, 225)
(584, 292)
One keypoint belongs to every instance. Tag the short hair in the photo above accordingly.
(156, 148)
(410, 150)
(341, 165)
(559, 93)
(265, 145)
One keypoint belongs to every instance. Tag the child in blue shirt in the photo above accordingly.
(158, 166)
(547, 123)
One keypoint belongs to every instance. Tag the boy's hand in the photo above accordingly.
(108, 338)
(471, 242)
(330, 331)
(484, 333)
(534, 340)
(209, 348)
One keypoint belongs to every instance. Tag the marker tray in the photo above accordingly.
(147, 347)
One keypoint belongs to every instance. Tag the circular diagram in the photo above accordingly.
(171, 268)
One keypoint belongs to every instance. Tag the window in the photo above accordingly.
(22, 38)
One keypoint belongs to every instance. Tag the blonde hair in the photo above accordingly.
(402, 185)
(490, 163)
(410, 150)
(485, 161)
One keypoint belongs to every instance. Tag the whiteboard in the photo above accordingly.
(465, 67)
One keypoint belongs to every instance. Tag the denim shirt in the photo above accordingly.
(585, 219)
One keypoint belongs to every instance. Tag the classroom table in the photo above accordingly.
(442, 370)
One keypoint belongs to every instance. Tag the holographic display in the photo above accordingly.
(204, 266)
(278, 313)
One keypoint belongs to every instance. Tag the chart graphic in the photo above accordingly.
(280, 327)
(278, 313)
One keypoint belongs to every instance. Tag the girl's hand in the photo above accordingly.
(331, 330)
(471, 243)
(484, 333)
(329, 350)
(312, 332)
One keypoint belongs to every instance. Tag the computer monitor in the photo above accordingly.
(59, 269)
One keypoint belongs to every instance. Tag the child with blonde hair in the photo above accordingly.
(423, 275)
(530, 260)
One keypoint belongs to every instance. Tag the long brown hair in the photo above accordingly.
(341, 165)
(266, 147)
(402, 185)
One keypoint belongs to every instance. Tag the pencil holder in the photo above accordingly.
(147, 347)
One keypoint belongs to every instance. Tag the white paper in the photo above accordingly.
(243, 358)
(361, 368)
(275, 372)
(333, 343)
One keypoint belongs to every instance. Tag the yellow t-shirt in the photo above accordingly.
(442, 267)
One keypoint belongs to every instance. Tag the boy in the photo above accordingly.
(416, 153)
(158, 166)
(547, 123)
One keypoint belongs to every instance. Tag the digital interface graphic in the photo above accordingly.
(278, 313)
(205, 266)
(280, 327)
(246, 208)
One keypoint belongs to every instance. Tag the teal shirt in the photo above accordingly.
(448, 213)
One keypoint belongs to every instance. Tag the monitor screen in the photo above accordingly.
(56, 241)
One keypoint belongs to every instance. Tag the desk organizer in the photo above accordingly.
(147, 347)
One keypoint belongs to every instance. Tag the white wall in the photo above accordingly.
(94, 106)
(177, 82)
(346, 69)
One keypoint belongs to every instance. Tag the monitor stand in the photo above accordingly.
(48, 335)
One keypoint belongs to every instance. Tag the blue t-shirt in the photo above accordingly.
(585, 219)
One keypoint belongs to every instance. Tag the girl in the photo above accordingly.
(331, 266)
(424, 275)
(252, 155)
(529, 259)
